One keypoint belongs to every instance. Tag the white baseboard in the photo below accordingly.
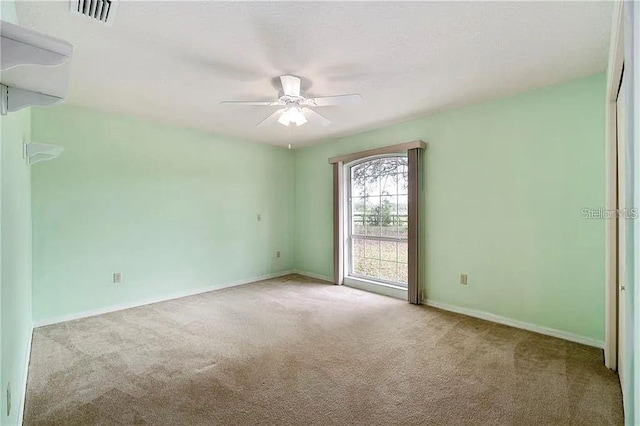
(465, 311)
(517, 324)
(177, 295)
(490, 317)
(313, 275)
(25, 376)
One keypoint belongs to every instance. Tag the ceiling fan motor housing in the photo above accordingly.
(297, 109)
(289, 98)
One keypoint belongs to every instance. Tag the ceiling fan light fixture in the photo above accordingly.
(292, 115)
(296, 104)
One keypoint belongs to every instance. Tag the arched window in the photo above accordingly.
(376, 220)
(377, 225)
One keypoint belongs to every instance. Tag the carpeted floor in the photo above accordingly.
(294, 351)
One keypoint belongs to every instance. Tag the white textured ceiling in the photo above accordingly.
(175, 61)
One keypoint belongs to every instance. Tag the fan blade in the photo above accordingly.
(271, 119)
(351, 99)
(258, 103)
(316, 117)
(290, 85)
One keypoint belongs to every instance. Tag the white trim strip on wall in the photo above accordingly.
(178, 295)
(313, 275)
(517, 324)
(565, 335)
(25, 377)
(444, 306)
(486, 316)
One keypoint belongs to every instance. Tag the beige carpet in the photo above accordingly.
(294, 351)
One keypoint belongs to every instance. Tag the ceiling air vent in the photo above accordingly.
(101, 10)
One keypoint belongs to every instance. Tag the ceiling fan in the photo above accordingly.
(297, 107)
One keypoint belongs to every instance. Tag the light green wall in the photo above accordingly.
(173, 210)
(505, 185)
(8, 11)
(15, 260)
(15, 236)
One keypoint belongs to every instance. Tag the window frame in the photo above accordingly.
(348, 225)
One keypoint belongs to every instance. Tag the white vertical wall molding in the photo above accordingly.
(634, 97)
(630, 48)
(25, 378)
(614, 73)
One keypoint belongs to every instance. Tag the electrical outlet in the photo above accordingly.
(422, 296)
(278, 254)
(463, 279)
(8, 399)
(117, 277)
(259, 218)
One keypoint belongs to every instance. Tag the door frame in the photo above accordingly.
(614, 76)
